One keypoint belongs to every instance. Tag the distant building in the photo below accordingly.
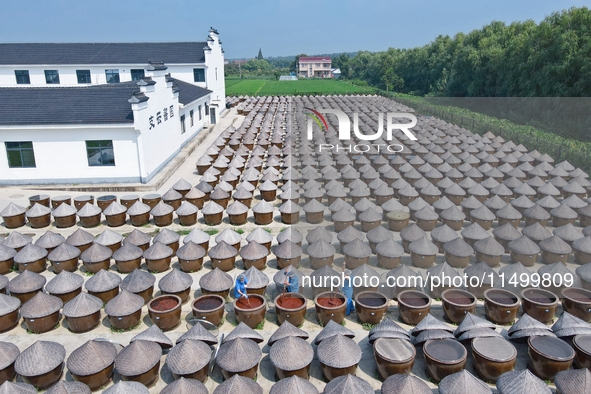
(104, 113)
(336, 73)
(315, 67)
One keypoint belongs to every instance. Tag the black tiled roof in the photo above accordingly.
(101, 53)
(97, 104)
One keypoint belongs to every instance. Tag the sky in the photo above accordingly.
(278, 27)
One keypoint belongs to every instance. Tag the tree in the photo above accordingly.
(391, 79)
(294, 65)
(260, 55)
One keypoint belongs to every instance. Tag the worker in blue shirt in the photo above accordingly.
(347, 289)
(240, 287)
(291, 283)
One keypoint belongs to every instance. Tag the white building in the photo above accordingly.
(100, 131)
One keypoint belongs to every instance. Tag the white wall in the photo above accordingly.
(60, 155)
(214, 60)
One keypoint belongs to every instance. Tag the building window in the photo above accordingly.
(206, 109)
(182, 124)
(200, 113)
(137, 74)
(199, 75)
(191, 116)
(20, 154)
(216, 73)
(52, 77)
(83, 76)
(22, 77)
(112, 75)
(100, 153)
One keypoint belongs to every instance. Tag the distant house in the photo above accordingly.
(336, 73)
(315, 67)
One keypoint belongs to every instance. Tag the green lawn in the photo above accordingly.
(260, 87)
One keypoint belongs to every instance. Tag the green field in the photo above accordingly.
(261, 87)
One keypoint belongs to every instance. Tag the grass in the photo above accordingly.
(88, 273)
(260, 87)
(183, 232)
(238, 230)
(211, 232)
(368, 326)
(147, 225)
(120, 330)
(267, 229)
(260, 325)
(283, 229)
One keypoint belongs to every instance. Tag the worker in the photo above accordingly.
(347, 289)
(240, 287)
(291, 283)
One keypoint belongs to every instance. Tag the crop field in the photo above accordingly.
(261, 87)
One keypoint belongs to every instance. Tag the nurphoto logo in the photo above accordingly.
(315, 115)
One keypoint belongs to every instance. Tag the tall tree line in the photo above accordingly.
(525, 59)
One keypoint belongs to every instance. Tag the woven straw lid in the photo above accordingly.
(8, 354)
(253, 251)
(321, 249)
(17, 240)
(314, 206)
(124, 304)
(522, 381)
(125, 387)
(471, 203)
(167, 237)
(563, 211)
(426, 335)
(350, 234)
(365, 271)
(236, 208)
(38, 210)
(92, 357)
(343, 215)
(114, 208)
(219, 194)
(212, 208)
(256, 278)
(286, 329)
(64, 282)
(489, 246)
(317, 234)
(6, 253)
(171, 195)
(138, 357)
(474, 231)
(175, 281)
(524, 245)
(8, 304)
(389, 248)
(339, 351)
(482, 270)
(68, 387)
(348, 384)
(527, 322)
(108, 237)
(537, 212)
(443, 234)
(506, 232)
(41, 305)
(238, 385)
(555, 245)
(30, 253)
(387, 325)
(576, 381)
(463, 382)
(82, 305)
(412, 232)
(182, 184)
(556, 268)
(50, 240)
(583, 245)
(102, 281)
(197, 236)
(482, 213)
(26, 282)
(161, 209)
(154, 334)
(138, 281)
(138, 208)
(89, 210)
(470, 322)
(188, 357)
(3, 283)
(452, 213)
(238, 355)
(198, 333)
(291, 353)
(9, 387)
(185, 386)
(245, 332)
(40, 358)
(128, 252)
(404, 383)
(262, 207)
(64, 252)
(80, 237)
(293, 385)
(243, 193)
(12, 210)
(259, 235)
(357, 249)
(190, 251)
(429, 323)
(566, 320)
(324, 272)
(287, 250)
(379, 234)
(158, 251)
(222, 251)
(370, 215)
(568, 233)
(458, 247)
(423, 246)
(290, 207)
(426, 213)
(216, 280)
(96, 253)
